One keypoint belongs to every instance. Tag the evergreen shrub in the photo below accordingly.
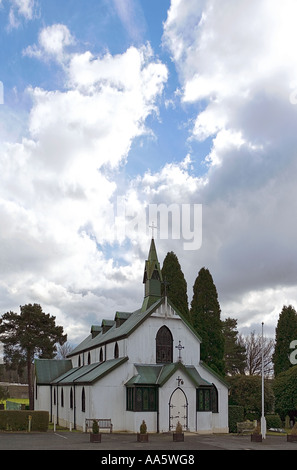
(236, 415)
(17, 420)
(273, 421)
(143, 428)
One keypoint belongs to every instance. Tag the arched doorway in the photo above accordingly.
(178, 409)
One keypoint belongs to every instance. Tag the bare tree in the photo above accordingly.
(253, 346)
(63, 350)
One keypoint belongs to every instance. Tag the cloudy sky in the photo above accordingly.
(113, 107)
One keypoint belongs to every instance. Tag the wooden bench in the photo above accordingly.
(103, 423)
(245, 426)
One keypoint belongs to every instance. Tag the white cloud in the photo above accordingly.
(59, 183)
(236, 61)
(21, 9)
(24, 7)
(52, 42)
(231, 54)
(236, 65)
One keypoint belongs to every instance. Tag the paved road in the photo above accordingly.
(76, 441)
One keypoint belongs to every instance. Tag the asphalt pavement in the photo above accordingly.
(78, 441)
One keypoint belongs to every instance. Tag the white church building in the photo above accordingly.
(143, 365)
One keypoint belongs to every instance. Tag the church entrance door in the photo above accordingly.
(178, 409)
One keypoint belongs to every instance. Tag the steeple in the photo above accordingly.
(152, 278)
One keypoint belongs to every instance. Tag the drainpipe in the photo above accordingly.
(57, 404)
(51, 403)
(158, 414)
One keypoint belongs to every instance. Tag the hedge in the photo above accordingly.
(236, 415)
(16, 420)
(273, 421)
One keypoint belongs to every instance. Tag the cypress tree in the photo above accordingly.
(234, 352)
(285, 332)
(177, 285)
(205, 317)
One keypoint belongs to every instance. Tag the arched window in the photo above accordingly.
(62, 397)
(116, 351)
(214, 399)
(101, 355)
(83, 400)
(89, 358)
(164, 346)
(71, 398)
(79, 361)
(54, 396)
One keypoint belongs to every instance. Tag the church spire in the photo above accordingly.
(152, 278)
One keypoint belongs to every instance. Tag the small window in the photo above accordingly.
(62, 397)
(116, 351)
(89, 358)
(71, 398)
(101, 355)
(83, 400)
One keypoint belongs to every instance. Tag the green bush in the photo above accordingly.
(273, 421)
(236, 415)
(16, 420)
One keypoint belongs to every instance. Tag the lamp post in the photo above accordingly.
(263, 420)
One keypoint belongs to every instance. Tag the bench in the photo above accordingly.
(102, 423)
(245, 426)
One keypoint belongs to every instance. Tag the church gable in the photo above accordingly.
(142, 361)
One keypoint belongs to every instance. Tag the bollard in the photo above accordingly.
(29, 423)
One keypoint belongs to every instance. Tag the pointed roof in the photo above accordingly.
(152, 278)
(152, 263)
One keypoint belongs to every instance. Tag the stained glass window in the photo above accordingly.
(164, 346)
(204, 402)
(142, 399)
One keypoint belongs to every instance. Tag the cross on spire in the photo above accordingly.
(153, 227)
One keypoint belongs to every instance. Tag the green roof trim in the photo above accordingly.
(122, 315)
(46, 370)
(184, 320)
(213, 372)
(116, 333)
(133, 321)
(160, 374)
(90, 373)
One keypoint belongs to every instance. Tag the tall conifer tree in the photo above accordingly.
(234, 352)
(177, 286)
(285, 332)
(205, 317)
